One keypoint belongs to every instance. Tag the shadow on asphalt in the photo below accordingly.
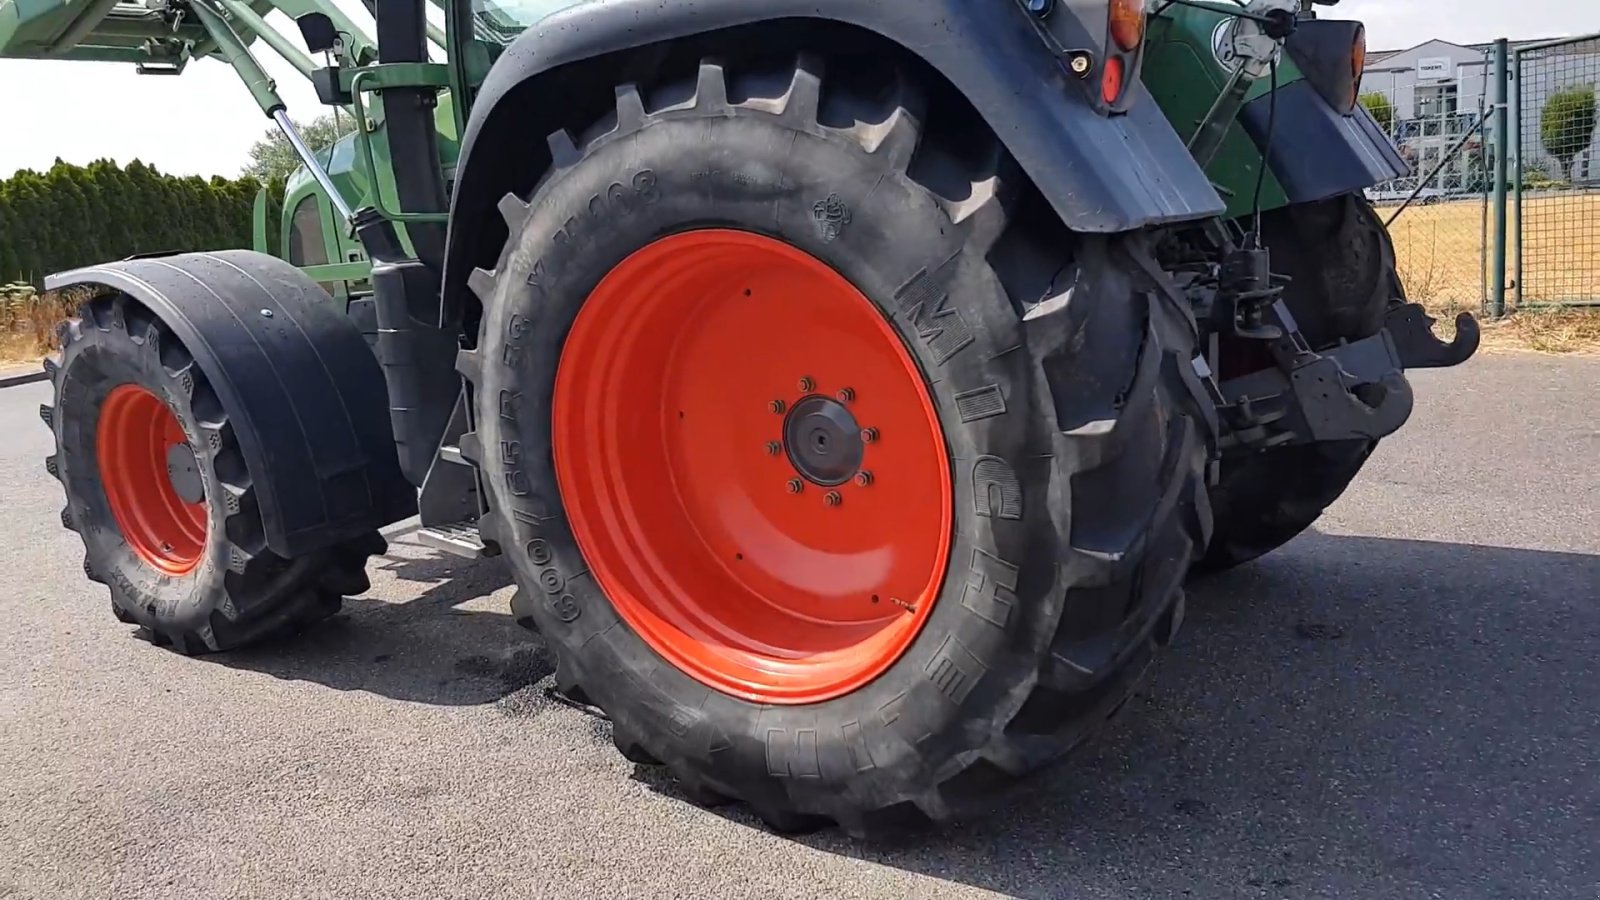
(424, 649)
(1387, 705)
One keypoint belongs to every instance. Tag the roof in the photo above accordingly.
(1580, 46)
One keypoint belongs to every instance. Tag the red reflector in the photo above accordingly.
(1111, 80)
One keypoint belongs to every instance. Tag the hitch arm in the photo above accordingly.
(265, 92)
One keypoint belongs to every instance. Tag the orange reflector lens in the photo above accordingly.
(1358, 64)
(1127, 23)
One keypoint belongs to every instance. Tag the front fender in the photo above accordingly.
(1100, 173)
(303, 392)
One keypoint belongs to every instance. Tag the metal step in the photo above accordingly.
(459, 538)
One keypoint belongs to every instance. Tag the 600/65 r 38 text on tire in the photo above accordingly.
(845, 480)
(158, 490)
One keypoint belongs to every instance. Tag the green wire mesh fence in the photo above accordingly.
(1555, 217)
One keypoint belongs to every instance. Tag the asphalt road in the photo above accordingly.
(1403, 704)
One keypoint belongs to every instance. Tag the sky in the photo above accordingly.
(203, 122)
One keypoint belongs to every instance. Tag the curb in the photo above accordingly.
(23, 378)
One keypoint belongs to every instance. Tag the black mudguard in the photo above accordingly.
(1100, 173)
(302, 389)
(1317, 152)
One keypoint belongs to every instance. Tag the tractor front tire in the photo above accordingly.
(840, 475)
(1342, 263)
(159, 493)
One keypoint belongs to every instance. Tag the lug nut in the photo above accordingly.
(777, 407)
(833, 498)
(807, 385)
(774, 448)
(796, 485)
(864, 479)
(868, 435)
(847, 395)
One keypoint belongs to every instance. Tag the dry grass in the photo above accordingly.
(1442, 250)
(28, 322)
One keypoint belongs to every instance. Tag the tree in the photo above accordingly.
(273, 157)
(1567, 125)
(1382, 110)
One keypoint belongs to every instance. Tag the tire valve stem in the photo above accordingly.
(904, 605)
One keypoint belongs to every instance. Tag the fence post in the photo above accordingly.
(1502, 144)
(1516, 183)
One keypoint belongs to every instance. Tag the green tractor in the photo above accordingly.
(850, 387)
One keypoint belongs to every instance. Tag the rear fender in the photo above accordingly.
(1324, 142)
(1316, 152)
(1100, 173)
(303, 391)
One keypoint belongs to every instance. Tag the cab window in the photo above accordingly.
(307, 245)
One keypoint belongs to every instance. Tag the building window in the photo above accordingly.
(307, 247)
(1435, 100)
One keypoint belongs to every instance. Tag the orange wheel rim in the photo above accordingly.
(752, 466)
(139, 439)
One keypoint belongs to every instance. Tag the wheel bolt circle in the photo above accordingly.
(868, 435)
(807, 385)
(847, 395)
(796, 485)
(864, 478)
(774, 448)
(776, 407)
(833, 498)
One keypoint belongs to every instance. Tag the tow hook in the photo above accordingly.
(1412, 330)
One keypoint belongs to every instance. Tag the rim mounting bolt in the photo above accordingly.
(847, 395)
(807, 385)
(774, 448)
(868, 435)
(864, 478)
(796, 485)
(777, 407)
(833, 498)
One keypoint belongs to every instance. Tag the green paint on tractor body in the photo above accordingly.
(1184, 75)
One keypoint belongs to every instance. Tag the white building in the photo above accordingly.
(1441, 91)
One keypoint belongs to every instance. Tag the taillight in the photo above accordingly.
(1127, 23)
(1111, 80)
(1358, 64)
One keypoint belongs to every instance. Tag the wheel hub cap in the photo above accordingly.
(824, 441)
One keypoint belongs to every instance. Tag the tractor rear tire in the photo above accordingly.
(159, 493)
(750, 605)
(1343, 264)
